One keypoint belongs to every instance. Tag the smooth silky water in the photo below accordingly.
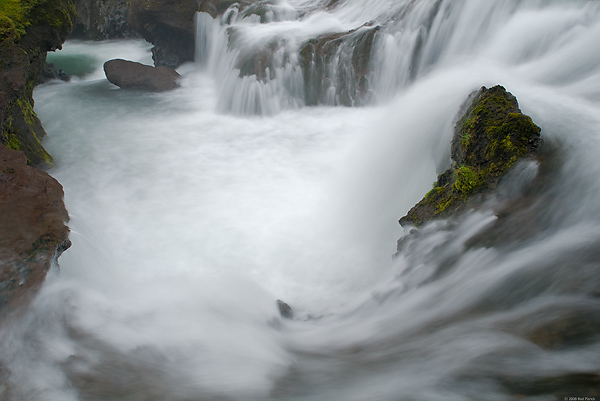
(193, 211)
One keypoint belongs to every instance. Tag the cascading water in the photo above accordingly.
(190, 214)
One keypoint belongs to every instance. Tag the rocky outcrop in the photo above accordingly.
(102, 19)
(131, 75)
(488, 139)
(340, 62)
(33, 231)
(169, 25)
(27, 31)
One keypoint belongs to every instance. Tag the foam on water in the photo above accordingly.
(193, 211)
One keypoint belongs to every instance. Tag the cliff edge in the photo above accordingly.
(28, 30)
(33, 231)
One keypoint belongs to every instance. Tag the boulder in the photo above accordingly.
(285, 310)
(33, 231)
(488, 139)
(131, 75)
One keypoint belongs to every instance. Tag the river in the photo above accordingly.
(193, 211)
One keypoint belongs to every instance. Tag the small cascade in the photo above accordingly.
(268, 58)
(190, 218)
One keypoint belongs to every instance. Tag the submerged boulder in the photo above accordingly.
(488, 139)
(33, 231)
(285, 310)
(131, 75)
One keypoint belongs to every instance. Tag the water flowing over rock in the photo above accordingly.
(336, 67)
(102, 19)
(131, 75)
(489, 138)
(33, 232)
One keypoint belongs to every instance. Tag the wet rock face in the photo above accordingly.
(132, 75)
(218, 7)
(167, 24)
(338, 62)
(102, 19)
(33, 231)
(488, 139)
(27, 32)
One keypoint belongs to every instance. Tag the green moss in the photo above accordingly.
(17, 15)
(13, 19)
(467, 180)
(490, 137)
(13, 142)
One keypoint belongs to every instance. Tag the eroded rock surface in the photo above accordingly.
(102, 19)
(169, 25)
(33, 230)
(27, 31)
(131, 75)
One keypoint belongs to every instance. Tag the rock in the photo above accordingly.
(132, 75)
(33, 231)
(218, 7)
(488, 139)
(169, 25)
(349, 53)
(50, 72)
(102, 19)
(27, 32)
(285, 310)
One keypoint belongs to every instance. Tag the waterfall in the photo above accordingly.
(302, 133)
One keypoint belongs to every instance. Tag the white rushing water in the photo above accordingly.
(193, 211)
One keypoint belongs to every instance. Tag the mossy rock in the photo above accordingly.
(488, 139)
(28, 29)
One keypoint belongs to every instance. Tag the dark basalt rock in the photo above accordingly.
(169, 25)
(131, 75)
(33, 231)
(102, 19)
(285, 310)
(490, 137)
(50, 72)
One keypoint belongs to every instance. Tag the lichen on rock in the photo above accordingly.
(488, 139)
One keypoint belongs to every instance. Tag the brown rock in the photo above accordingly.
(132, 75)
(33, 231)
(23, 45)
